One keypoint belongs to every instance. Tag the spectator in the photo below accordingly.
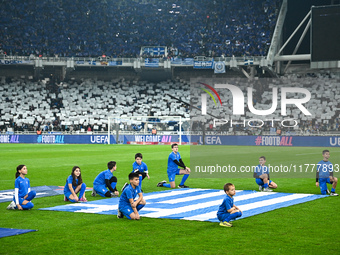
(86, 28)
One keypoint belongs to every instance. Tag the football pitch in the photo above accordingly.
(308, 228)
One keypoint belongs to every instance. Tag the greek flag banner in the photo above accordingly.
(151, 62)
(194, 204)
(248, 62)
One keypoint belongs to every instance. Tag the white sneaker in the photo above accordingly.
(94, 193)
(260, 188)
(332, 194)
(120, 215)
(267, 190)
(113, 194)
(328, 192)
(11, 206)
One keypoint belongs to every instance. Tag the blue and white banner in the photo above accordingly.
(248, 62)
(154, 51)
(92, 62)
(267, 140)
(203, 64)
(16, 62)
(42, 191)
(219, 67)
(176, 61)
(115, 63)
(291, 141)
(158, 51)
(102, 63)
(180, 61)
(58, 139)
(188, 61)
(86, 63)
(4, 232)
(153, 138)
(151, 62)
(194, 204)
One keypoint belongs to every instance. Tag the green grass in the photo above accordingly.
(309, 228)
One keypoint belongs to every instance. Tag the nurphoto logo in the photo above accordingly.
(238, 105)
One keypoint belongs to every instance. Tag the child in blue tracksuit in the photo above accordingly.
(128, 206)
(324, 175)
(23, 194)
(175, 161)
(104, 181)
(74, 185)
(140, 168)
(227, 210)
(261, 175)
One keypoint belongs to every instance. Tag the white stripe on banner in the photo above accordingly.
(100, 208)
(251, 195)
(250, 206)
(170, 193)
(218, 202)
(194, 204)
(272, 201)
(159, 212)
(192, 198)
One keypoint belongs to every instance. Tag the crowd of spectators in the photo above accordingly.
(86, 105)
(323, 105)
(87, 28)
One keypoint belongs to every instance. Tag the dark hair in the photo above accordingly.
(133, 175)
(173, 145)
(74, 178)
(324, 151)
(227, 186)
(19, 167)
(138, 155)
(111, 164)
(263, 157)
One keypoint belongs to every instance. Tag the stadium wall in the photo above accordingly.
(310, 141)
(56, 139)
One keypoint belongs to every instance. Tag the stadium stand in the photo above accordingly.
(71, 106)
(80, 106)
(119, 28)
(322, 105)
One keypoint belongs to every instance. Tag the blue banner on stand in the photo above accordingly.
(57, 139)
(151, 62)
(203, 64)
(287, 141)
(219, 67)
